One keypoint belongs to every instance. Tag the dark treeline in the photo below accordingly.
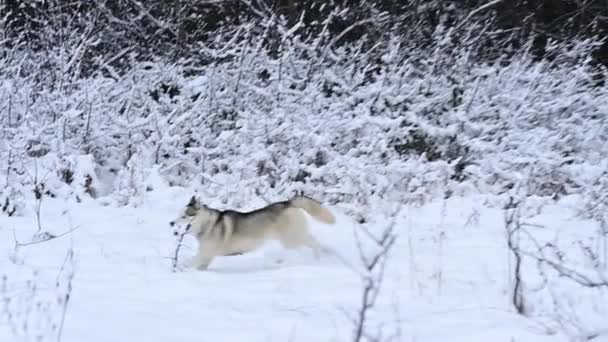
(173, 30)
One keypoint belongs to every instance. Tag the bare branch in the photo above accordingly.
(178, 246)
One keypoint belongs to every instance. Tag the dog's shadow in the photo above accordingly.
(231, 265)
(257, 262)
(241, 264)
(241, 270)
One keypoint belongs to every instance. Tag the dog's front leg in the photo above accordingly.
(200, 261)
(204, 262)
(204, 257)
(208, 248)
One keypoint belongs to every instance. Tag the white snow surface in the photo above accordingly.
(447, 278)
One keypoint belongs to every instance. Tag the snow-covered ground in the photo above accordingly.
(96, 121)
(447, 279)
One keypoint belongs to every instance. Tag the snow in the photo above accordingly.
(447, 277)
(115, 149)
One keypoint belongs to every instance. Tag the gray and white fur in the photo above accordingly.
(230, 232)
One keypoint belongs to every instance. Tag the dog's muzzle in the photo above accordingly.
(176, 232)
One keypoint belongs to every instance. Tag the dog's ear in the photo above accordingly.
(297, 193)
(193, 202)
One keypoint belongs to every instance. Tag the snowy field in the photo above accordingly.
(447, 279)
(485, 121)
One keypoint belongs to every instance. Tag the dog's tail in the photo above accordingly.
(314, 209)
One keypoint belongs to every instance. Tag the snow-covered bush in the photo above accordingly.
(353, 110)
(320, 119)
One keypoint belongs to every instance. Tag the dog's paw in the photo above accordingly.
(202, 267)
(180, 268)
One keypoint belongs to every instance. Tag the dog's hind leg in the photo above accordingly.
(314, 245)
(293, 242)
(296, 234)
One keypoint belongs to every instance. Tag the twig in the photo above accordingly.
(178, 246)
(477, 10)
(512, 225)
(48, 238)
(375, 267)
(68, 292)
(568, 272)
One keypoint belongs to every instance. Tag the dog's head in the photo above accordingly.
(194, 219)
(187, 216)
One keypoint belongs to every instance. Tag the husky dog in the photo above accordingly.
(223, 233)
